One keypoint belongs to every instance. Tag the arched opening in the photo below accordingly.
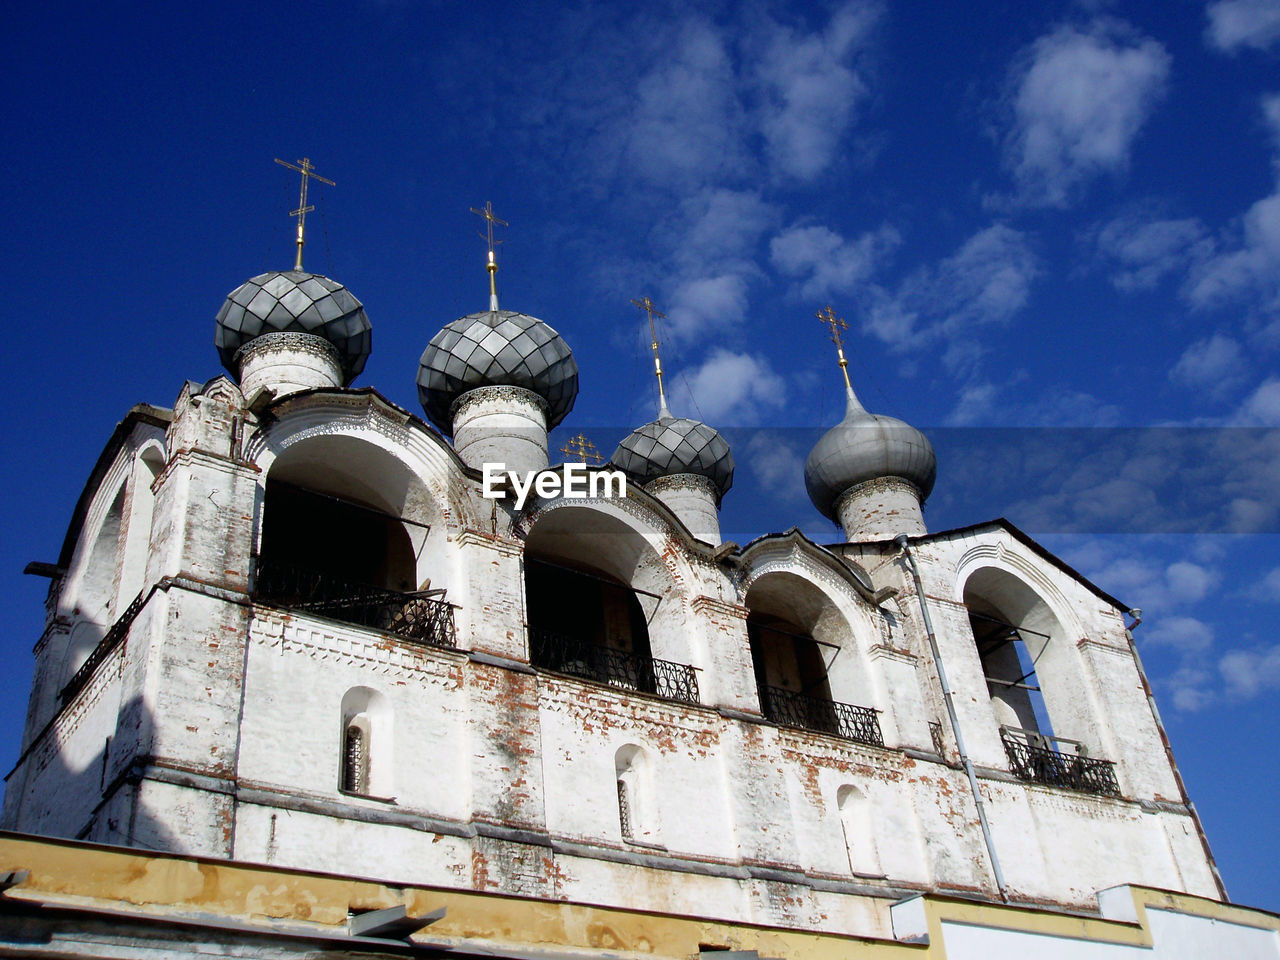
(597, 599)
(96, 596)
(637, 819)
(801, 647)
(133, 571)
(856, 823)
(347, 533)
(364, 748)
(1038, 697)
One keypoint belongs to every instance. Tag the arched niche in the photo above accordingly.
(858, 826)
(637, 801)
(598, 593)
(1032, 669)
(365, 744)
(348, 508)
(808, 664)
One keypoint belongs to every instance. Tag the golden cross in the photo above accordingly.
(645, 304)
(305, 168)
(828, 317)
(583, 449)
(490, 218)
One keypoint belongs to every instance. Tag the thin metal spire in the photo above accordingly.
(645, 304)
(828, 317)
(305, 168)
(490, 218)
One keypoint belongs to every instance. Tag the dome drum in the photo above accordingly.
(286, 363)
(501, 425)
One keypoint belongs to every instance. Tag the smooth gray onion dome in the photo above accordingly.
(291, 301)
(867, 446)
(673, 445)
(496, 348)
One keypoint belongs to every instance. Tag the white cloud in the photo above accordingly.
(1249, 268)
(1243, 23)
(826, 261)
(1248, 673)
(1007, 404)
(730, 388)
(1191, 689)
(987, 281)
(1079, 98)
(1190, 581)
(810, 90)
(1268, 588)
(1146, 249)
(1215, 365)
(1262, 407)
(686, 125)
(706, 303)
(779, 467)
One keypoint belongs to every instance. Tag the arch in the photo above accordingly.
(1032, 669)
(810, 670)
(637, 808)
(95, 598)
(625, 608)
(148, 465)
(857, 825)
(365, 744)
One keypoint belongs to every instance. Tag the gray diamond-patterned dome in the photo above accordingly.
(295, 302)
(672, 445)
(496, 348)
(867, 446)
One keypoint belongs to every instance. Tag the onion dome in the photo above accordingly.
(673, 445)
(295, 302)
(866, 446)
(496, 348)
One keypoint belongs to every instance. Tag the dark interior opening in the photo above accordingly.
(342, 539)
(573, 612)
(786, 658)
(1009, 669)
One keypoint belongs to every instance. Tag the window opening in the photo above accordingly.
(355, 759)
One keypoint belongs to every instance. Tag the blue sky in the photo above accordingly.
(1034, 216)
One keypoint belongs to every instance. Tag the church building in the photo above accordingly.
(308, 682)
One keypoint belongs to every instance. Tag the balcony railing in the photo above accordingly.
(563, 653)
(791, 709)
(422, 616)
(110, 640)
(1034, 757)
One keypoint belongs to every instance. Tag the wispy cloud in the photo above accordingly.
(986, 281)
(809, 88)
(1145, 249)
(729, 388)
(827, 263)
(1215, 365)
(1234, 24)
(1248, 268)
(1248, 673)
(1077, 99)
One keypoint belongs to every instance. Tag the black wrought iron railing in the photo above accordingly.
(1032, 757)
(110, 640)
(846, 720)
(423, 616)
(562, 653)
